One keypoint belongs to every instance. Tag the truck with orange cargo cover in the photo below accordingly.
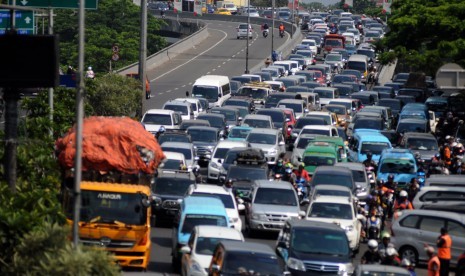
(119, 161)
(332, 41)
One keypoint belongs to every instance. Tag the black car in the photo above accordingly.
(231, 114)
(188, 123)
(241, 101)
(273, 99)
(277, 117)
(166, 191)
(204, 140)
(174, 136)
(216, 120)
(314, 248)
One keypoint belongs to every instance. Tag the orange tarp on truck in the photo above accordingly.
(112, 144)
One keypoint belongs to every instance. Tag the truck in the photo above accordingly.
(229, 5)
(119, 161)
(333, 41)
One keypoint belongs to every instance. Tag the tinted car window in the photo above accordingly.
(409, 222)
(275, 197)
(455, 229)
(442, 195)
(431, 224)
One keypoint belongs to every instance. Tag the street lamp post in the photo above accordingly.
(247, 46)
(293, 17)
(273, 3)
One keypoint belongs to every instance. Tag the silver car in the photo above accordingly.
(414, 229)
(271, 141)
(440, 198)
(360, 177)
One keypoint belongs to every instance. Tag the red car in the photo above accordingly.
(318, 76)
(290, 120)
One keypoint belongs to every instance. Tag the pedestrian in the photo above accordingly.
(274, 56)
(444, 244)
(433, 262)
(70, 70)
(267, 62)
(90, 73)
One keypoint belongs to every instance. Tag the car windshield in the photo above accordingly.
(276, 117)
(261, 138)
(112, 208)
(303, 142)
(357, 65)
(173, 138)
(193, 220)
(341, 180)
(239, 133)
(359, 176)
(208, 92)
(331, 210)
(323, 132)
(369, 124)
(236, 103)
(186, 151)
(274, 99)
(171, 186)
(334, 42)
(373, 147)
(422, 144)
(157, 119)
(324, 94)
(333, 58)
(179, 108)
(246, 173)
(172, 164)
(308, 121)
(397, 166)
(225, 198)
(217, 122)
(229, 114)
(271, 196)
(202, 135)
(296, 107)
(320, 241)
(206, 245)
(337, 110)
(257, 123)
(411, 127)
(319, 160)
(394, 105)
(240, 263)
(323, 192)
(348, 105)
(255, 93)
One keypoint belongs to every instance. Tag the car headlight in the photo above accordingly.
(273, 151)
(259, 216)
(214, 165)
(210, 147)
(197, 267)
(349, 228)
(295, 264)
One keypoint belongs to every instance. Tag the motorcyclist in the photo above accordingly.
(409, 266)
(265, 26)
(289, 175)
(274, 56)
(385, 244)
(196, 172)
(369, 162)
(279, 169)
(390, 184)
(402, 203)
(391, 257)
(413, 189)
(228, 185)
(281, 29)
(160, 131)
(371, 256)
(301, 172)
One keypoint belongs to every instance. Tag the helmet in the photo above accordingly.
(391, 177)
(288, 170)
(403, 193)
(372, 244)
(454, 144)
(437, 155)
(390, 251)
(280, 163)
(405, 262)
(161, 129)
(417, 155)
(459, 145)
(89, 68)
(369, 154)
(385, 235)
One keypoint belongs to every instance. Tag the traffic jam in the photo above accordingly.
(352, 174)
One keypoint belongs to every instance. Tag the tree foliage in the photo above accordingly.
(427, 34)
(269, 3)
(115, 22)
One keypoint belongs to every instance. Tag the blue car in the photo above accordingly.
(399, 162)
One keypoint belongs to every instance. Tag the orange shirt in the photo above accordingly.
(433, 266)
(444, 250)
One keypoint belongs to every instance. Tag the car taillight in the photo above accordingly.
(144, 240)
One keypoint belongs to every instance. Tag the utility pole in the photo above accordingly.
(50, 90)
(273, 3)
(143, 50)
(293, 18)
(247, 46)
(80, 94)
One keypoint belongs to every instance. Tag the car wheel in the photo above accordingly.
(409, 253)
(238, 37)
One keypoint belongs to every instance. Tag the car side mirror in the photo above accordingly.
(215, 268)
(241, 207)
(360, 217)
(282, 143)
(185, 250)
(288, 120)
(239, 119)
(302, 214)
(219, 161)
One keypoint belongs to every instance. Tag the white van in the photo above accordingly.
(214, 88)
(359, 63)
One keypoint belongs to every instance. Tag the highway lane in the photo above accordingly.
(220, 54)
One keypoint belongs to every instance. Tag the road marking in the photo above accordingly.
(219, 66)
(224, 62)
(233, 56)
(214, 69)
(183, 85)
(208, 73)
(228, 59)
(161, 93)
(176, 88)
(168, 91)
(190, 83)
(179, 66)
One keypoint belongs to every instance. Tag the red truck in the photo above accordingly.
(333, 41)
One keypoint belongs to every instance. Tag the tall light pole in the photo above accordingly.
(293, 18)
(247, 47)
(273, 3)
(143, 50)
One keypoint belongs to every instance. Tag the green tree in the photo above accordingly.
(426, 34)
(269, 3)
(115, 22)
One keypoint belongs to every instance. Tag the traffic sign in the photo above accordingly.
(115, 49)
(115, 57)
(24, 21)
(56, 4)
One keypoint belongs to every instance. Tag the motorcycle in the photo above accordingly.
(374, 227)
(265, 33)
(281, 34)
(302, 192)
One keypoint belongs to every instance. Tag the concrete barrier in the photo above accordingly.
(173, 50)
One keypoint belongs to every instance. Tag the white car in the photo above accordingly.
(154, 119)
(312, 44)
(182, 107)
(196, 106)
(173, 161)
(197, 254)
(314, 130)
(218, 155)
(339, 210)
(226, 196)
(271, 141)
(244, 30)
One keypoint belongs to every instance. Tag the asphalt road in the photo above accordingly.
(220, 54)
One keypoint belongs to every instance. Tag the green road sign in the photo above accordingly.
(56, 4)
(24, 21)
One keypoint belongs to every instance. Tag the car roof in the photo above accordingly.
(247, 247)
(332, 199)
(413, 120)
(212, 231)
(302, 223)
(177, 144)
(212, 189)
(173, 155)
(419, 135)
(291, 101)
(258, 117)
(206, 115)
(178, 102)
(228, 143)
(383, 268)
(273, 184)
(202, 204)
(333, 170)
(435, 213)
(332, 187)
(324, 127)
(351, 166)
(264, 131)
(159, 111)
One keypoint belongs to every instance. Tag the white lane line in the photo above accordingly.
(181, 65)
(161, 93)
(183, 85)
(190, 83)
(228, 59)
(168, 91)
(224, 62)
(219, 66)
(208, 73)
(233, 56)
(176, 88)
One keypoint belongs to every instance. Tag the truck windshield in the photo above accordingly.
(202, 135)
(333, 42)
(193, 220)
(113, 208)
(319, 160)
(255, 93)
(208, 92)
